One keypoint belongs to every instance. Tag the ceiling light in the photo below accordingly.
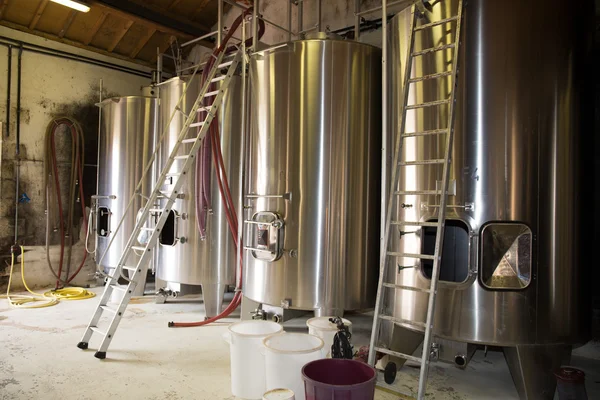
(74, 4)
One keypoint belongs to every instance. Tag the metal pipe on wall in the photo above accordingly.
(8, 88)
(33, 48)
(18, 141)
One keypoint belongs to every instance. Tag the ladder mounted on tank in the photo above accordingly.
(388, 256)
(176, 180)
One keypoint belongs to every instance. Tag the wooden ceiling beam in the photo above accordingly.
(38, 14)
(142, 42)
(119, 36)
(67, 24)
(173, 4)
(79, 45)
(3, 4)
(92, 33)
(201, 6)
(141, 20)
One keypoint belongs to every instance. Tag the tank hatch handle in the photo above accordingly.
(266, 236)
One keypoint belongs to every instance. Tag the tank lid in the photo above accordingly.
(324, 35)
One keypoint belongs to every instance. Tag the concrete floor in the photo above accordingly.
(147, 360)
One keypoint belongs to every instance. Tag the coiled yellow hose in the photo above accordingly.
(49, 298)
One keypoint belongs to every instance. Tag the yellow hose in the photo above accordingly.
(49, 298)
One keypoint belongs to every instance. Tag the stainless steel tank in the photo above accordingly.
(184, 256)
(127, 141)
(313, 176)
(512, 273)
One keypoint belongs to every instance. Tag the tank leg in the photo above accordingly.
(532, 369)
(329, 312)
(213, 298)
(404, 341)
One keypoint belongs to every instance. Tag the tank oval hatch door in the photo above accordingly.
(266, 236)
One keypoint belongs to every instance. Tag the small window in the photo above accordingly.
(168, 236)
(455, 252)
(506, 256)
(103, 221)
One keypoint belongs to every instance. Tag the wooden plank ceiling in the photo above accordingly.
(127, 29)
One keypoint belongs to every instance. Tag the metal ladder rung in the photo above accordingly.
(119, 288)
(182, 157)
(139, 248)
(411, 255)
(225, 64)
(428, 104)
(422, 162)
(425, 133)
(211, 94)
(218, 78)
(107, 308)
(430, 76)
(436, 23)
(172, 174)
(401, 321)
(397, 354)
(433, 49)
(197, 124)
(204, 109)
(414, 223)
(129, 268)
(402, 287)
(156, 210)
(98, 330)
(144, 228)
(418, 192)
(186, 141)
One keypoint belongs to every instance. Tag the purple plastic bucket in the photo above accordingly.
(336, 379)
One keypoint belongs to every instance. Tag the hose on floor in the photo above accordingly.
(47, 299)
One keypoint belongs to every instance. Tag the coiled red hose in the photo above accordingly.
(77, 164)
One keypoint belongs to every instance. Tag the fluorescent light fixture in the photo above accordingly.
(74, 4)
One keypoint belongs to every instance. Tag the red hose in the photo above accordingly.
(58, 195)
(224, 189)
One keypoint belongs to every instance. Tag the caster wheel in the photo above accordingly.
(389, 374)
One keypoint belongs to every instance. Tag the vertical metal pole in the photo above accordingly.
(300, 17)
(289, 18)
(384, 193)
(242, 177)
(319, 3)
(384, 124)
(255, 25)
(220, 23)
(159, 66)
(356, 19)
(94, 205)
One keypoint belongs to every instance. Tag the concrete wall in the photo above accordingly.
(51, 87)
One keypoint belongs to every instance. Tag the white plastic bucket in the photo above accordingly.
(321, 327)
(285, 356)
(279, 394)
(247, 356)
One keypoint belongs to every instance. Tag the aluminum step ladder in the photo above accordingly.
(388, 257)
(176, 180)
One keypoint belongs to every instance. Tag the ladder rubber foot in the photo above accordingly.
(389, 373)
(100, 355)
(171, 324)
(82, 345)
